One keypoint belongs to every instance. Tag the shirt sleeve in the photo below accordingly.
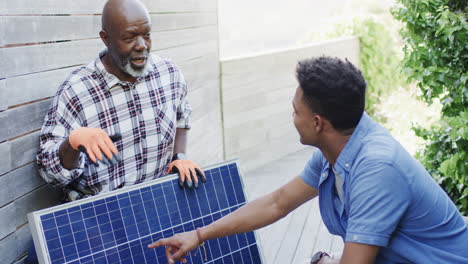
(59, 121)
(184, 109)
(312, 169)
(379, 196)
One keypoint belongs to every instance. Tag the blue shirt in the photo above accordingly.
(389, 200)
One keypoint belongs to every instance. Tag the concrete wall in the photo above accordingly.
(257, 92)
(40, 43)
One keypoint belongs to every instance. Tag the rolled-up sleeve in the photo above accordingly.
(311, 172)
(59, 121)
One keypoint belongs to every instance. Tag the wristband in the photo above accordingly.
(201, 243)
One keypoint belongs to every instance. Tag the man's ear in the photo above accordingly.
(104, 37)
(319, 123)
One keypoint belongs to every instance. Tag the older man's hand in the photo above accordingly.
(188, 171)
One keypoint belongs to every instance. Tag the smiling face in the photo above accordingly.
(127, 35)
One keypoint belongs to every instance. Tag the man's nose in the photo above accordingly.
(140, 43)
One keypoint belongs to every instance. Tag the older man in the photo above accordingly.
(125, 95)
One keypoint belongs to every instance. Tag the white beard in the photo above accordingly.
(137, 73)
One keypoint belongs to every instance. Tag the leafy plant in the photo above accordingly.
(379, 60)
(436, 56)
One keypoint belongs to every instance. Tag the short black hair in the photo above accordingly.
(334, 89)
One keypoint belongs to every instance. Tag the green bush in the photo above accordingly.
(378, 58)
(436, 56)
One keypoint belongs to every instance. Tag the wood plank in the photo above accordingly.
(24, 119)
(33, 29)
(265, 152)
(7, 220)
(19, 7)
(24, 149)
(18, 152)
(324, 239)
(284, 61)
(200, 69)
(34, 7)
(345, 47)
(15, 245)
(276, 176)
(205, 99)
(278, 95)
(290, 243)
(26, 179)
(45, 84)
(8, 248)
(30, 59)
(23, 240)
(43, 197)
(5, 157)
(275, 233)
(4, 133)
(247, 134)
(206, 145)
(306, 242)
(33, 87)
(188, 52)
(3, 94)
(338, 245)
(22, 260)
(237, 87)
(281, 107)
(7, 194)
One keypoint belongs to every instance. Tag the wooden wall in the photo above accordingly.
(257, 92)
(41, 42)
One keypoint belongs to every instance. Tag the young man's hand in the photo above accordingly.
(178, 246)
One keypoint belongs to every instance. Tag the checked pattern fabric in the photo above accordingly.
(146, 113)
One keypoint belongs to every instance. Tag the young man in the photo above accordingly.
(125, 91)
(373, 194)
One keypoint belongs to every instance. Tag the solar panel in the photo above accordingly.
(116, 227)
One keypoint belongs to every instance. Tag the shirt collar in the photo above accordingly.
(111, 79)
(352, 147)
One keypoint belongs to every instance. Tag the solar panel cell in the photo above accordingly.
(118, 226)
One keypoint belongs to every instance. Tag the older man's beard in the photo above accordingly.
(127, 67)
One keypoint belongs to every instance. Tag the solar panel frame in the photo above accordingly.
(37, 229)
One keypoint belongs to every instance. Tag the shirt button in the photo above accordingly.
(347, 165)
(355, 237)
(324, 175)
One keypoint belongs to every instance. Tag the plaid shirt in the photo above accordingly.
(146, 113)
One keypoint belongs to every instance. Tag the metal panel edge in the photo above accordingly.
(120, 191)
(39, 243)
(257, 236)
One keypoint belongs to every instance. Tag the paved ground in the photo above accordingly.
(294, 238)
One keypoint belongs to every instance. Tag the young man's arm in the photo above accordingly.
(254, 215)
(355, 253)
